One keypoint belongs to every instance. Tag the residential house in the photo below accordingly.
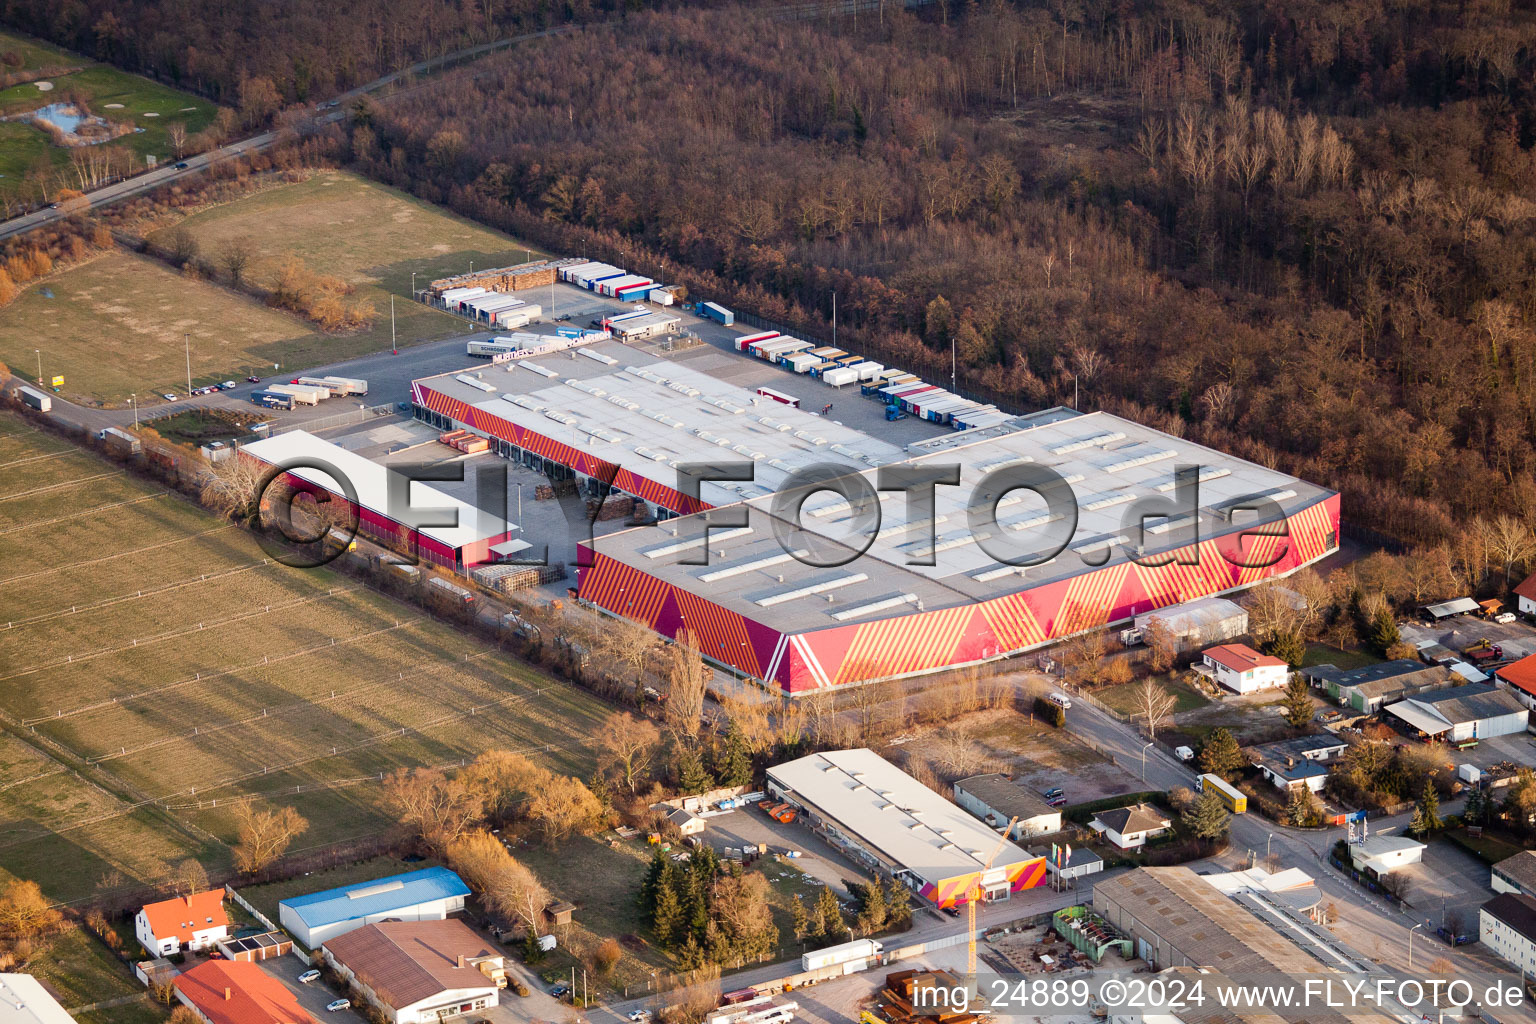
(420, 972)
(1381, 855)
(1515, 874)
(1461, 715)
(1525, 595)
(1366, 689)
(225, 992)
(1242, 669)
(688, 823)
(1291, 764)
(996, 799)
(196, 921)
(1507, 926)
(1129, 828)
(1519, 679)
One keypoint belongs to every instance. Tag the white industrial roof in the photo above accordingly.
(23, 1000)
(892, 812)
(369, 480)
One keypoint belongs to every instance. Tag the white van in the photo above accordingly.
(1060, 699)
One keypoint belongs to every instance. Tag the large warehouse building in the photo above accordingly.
(476, 537)
(609, 416)
(885, 818)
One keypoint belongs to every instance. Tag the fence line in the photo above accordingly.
(325, 422)
(258, 915)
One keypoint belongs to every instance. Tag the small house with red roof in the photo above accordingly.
(1525, 596)
(1519, 678)
(237, 992)
(1242, 669)
(197, 921)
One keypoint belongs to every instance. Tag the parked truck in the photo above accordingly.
(120, 441)
(35, 399)
(716, 312)
(340, 385)
(450, 591)
(855, 955)
(272, 399)
(304, 394)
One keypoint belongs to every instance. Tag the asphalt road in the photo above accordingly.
(334, 110)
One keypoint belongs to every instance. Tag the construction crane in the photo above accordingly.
(974, 897)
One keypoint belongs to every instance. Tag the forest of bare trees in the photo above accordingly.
(1297, 235)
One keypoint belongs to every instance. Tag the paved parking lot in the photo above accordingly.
(818, 858)
(312, 997)
(1449, 882)
(1518, 638)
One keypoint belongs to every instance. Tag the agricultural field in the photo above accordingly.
(154, 666)
(370, 236)
(116, 95)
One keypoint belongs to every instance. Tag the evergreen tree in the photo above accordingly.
(691, 955)
(1384, 634)
(649, 885)
(871, 899)
(1208, 818)
(532, 952)
(801, 919)
(733, 765)
(1221, 755)
(1298, 702)
(667, 911)
(898, 906)
(830, 915)
(1476, 808)
(1289, 647)
(691, 776)
(1426, 815)
(1299, 810)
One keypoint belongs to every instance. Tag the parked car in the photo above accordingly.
(1183, 753)
(254, 379)
(1504, 618)
(562, 318)
(339, 1004)
(1060, 699)
(560, 991)
(229, 385)
(168, 397)
(640, 1016)
(181, 166)
(309, 977)
(952, 911)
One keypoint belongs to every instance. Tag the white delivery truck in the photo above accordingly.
(855, 956)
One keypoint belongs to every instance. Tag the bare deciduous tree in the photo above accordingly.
(629, 743)
(264, 836)
(1154, 703)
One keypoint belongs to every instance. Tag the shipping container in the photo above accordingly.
(1234, 798)
(331, 389)
(35, 399)
(781, 357)
(301, 393)
(868, 370)
(771, 350)
(780, 397)
(800, 362)
(451, 591)
(848, 952)
(272, 399)
(613, 285)
(569, 273)
(453, 296)
(638, 293)
(661, 297)
(520, 316)
(346, 385)
(840, 375)
(583, 276)
(716, 312)
(745, 340)
(828, 352)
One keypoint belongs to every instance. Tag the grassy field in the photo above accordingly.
(1322, 654)
(152, 667)
(199, 426)
(1125, 698)
(115, 325)
(116, 95)
(80, 970)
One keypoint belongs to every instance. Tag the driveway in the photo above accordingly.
(818, 857)
(312, 997)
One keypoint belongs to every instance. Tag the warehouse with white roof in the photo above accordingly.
(885, 818)
(930, 590)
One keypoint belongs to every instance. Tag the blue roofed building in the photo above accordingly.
(430, 894)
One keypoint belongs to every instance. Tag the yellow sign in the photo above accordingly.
(865, 1017)
(58, 382)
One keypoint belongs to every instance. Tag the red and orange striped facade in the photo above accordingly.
(548, 448)
(1026, 874)
(947, 637)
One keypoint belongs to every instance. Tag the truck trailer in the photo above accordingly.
(345, 385)
(35, 399)
(716, 312)
(272, 399)
(304, 394)
(855, 955)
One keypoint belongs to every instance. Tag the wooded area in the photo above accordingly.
(1293, 232)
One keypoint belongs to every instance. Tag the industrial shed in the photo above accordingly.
(1460, 715)
(427, 895)
(420, 972)
(1367, 689)
(765, 612)
(460, 548)
(1195, 624)
(881, 816)
(996, 799)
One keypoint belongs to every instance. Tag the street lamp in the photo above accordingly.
(1266, 848)
(1410, 943)
(186, 340)
(39, 365)
(1144, 759)
(134, 398)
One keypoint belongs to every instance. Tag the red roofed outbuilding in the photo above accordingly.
(236, 992)
(1525, 596)
(186, 922)
(1242, 669)
(1519, 678)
